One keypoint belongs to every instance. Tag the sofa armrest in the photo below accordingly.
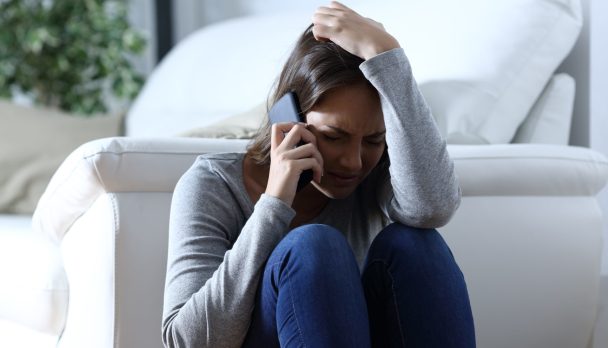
(529, 170)
(528, 238)
(118, 164)
(122, 164)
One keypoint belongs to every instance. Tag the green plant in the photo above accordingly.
(69, 54)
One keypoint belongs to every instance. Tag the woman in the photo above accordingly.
(352, 259)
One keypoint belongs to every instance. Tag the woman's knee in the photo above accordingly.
(411, 244)
(317, 237)
(317, 245)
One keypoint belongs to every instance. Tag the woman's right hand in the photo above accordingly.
(356, 34)
(287, 161)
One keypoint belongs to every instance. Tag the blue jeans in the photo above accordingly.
(411, 293)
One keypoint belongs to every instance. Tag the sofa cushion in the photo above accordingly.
(240, 126)
(33, 143)
(550, 118)
(218, 71)
(502, 170)
(34, 289)
(547, 123)
(482, 64)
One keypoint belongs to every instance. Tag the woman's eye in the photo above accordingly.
(375, 142)
(330, 138)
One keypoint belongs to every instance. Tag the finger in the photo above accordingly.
(287, 126)
(276, 137)
(375, 23)
(322, 24)
(307, 151)
(322, 32)
(327, 10)
(297, 133)
(324, 19)
(277, 133)
(308, 136)
(303, 151)
(318, 174)
(338, 5)
(311, 163)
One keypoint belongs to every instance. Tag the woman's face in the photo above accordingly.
(349, 127)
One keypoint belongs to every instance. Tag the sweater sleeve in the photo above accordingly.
(423, 190)
(212, 276)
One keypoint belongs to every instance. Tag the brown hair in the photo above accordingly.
(312, 69)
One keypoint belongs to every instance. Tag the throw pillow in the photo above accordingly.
(481, 64)
(550, 117)
(240, 126)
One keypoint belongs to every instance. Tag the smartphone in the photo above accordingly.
(287, 109)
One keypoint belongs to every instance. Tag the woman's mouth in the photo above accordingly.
(343, 178)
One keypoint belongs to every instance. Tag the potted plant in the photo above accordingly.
(66, 54)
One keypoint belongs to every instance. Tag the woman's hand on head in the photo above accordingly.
(358, 35)
(287, 161)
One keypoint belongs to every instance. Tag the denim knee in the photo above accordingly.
(311, 293)
(409, 246)
(316, 245)
(415, 290)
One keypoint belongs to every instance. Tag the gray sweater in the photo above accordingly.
(219, 241)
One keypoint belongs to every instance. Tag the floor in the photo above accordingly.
(13, 335)
(600, 337)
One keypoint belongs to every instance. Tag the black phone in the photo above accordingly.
(287, 109)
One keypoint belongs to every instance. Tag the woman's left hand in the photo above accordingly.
(358, 35)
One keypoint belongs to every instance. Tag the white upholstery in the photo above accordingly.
(64, 201)
(529, 245)
(189, 89)
(34, 290)
(529, 170)
(549, 120)
(532, 265)
(113, 196)
(482, 64)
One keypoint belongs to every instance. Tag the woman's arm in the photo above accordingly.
(422, 190)
(211, 283)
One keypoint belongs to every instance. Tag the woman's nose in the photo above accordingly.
(350, 159)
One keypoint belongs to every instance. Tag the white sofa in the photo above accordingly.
(527, 235)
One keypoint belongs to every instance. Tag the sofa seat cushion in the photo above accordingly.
(34, 289)
(529, 170)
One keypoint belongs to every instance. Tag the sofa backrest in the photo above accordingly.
(481, 66)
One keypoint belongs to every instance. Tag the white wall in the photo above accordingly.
(599, 98)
